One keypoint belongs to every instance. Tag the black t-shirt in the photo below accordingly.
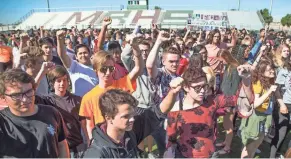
(69, 107)
(35, 136)
(57, 61)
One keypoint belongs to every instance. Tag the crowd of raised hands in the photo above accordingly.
(170, 85)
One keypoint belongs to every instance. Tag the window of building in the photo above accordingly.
(137, 2)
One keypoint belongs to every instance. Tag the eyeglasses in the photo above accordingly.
(197, 89)
(104, 69)
(19, 96)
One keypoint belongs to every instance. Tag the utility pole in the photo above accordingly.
(48, 5)
(271, 6)
(238, 5)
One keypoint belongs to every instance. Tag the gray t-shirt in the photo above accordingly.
(284, 79)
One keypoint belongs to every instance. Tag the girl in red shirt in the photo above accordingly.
(192, 128)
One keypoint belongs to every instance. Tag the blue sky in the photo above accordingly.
(13, 10)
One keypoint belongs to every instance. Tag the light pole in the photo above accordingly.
(271, 6)
(238, 5)
(48, 5)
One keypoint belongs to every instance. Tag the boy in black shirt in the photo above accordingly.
(28, 130)
(69, 105)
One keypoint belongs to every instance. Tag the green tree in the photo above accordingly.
(286, 20)
(157, 7)
(266, 15)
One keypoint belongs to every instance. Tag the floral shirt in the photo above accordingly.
(195, 127)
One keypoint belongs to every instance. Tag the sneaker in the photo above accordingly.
(258, 151)
(280, 156)
(151, 155)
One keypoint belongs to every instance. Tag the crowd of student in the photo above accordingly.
(105, 93)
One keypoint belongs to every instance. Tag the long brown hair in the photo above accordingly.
(277, 55)
(232, 63)
(258, 74)
(228, 58)
(211, 35)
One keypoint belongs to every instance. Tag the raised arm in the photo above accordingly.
(45, 68)
(153, 55)
(244, 71)
(169, 101)
(186, 35)
(233, 40)
(150, 119)
(126, 57)
(254, 51)
(255, 63)
(138, 62)
(61, 49)
(101, 38)
(41, 32)
(199, 37)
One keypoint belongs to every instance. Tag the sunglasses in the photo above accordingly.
(104, 69)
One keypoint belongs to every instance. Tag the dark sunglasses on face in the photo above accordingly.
(174, 61)
(19, 96)
(197, 89)
(105, 68)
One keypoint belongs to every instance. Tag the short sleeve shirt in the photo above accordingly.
(284, 78)
(83, 78)
(258, 89)
(90, 106)
(35, 136)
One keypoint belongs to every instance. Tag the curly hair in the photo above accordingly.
(191, 75)
(258, 74)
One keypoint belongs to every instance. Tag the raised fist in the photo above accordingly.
(164, 36)
(47, 66)
(61, 34)
(107, 21)
(176, 84)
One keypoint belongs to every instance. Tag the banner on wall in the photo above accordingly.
(207, 21)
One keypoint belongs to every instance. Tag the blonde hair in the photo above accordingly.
(100, 58)
(210, 75)
(277, 57)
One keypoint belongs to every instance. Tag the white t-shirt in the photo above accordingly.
(83, 78)
(71, 54)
